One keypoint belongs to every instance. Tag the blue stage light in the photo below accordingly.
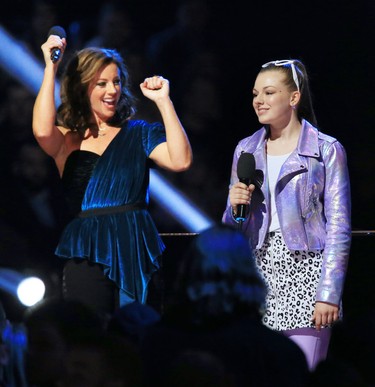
(178, 205)
(27, 289)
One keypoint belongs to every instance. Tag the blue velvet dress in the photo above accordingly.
(126, 243)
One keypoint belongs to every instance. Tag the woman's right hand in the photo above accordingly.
(49, 136)
(53, 41)
(240, 193)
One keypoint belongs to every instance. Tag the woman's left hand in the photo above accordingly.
(325, 314)
(155, 87)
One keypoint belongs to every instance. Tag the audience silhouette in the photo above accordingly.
(53, 326)
(215, 310)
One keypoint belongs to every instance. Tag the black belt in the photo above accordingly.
(111, 210)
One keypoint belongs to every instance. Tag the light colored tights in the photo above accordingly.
(313, 343)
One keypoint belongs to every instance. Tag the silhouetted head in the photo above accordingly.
(53, 326)
(218, 279)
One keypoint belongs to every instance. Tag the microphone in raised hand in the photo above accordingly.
(245, 173)
(56, 51)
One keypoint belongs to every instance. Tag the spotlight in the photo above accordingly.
(27, 289)
(31, 290)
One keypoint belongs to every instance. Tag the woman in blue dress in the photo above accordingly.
(111, 245)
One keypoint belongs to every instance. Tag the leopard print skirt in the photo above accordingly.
(292, 278)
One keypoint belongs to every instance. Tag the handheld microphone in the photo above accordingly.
(56, 52)
(245, 173)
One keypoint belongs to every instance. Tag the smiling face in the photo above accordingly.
(104, 93)
(273, 102)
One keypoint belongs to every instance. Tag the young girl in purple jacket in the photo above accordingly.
(298, 209)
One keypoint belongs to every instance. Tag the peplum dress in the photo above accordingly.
(107, 197)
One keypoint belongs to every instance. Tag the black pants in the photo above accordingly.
(86, 282)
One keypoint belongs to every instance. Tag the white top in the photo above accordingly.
(274, 164)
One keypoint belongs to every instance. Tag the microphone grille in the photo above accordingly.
(57, 30)
(246, 166)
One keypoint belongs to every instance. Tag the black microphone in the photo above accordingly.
(56, 52)
(245, 173)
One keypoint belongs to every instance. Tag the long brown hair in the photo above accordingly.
(75, 111)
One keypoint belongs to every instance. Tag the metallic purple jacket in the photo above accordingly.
(313, 202)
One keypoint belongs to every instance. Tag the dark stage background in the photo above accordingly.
(211, 81)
